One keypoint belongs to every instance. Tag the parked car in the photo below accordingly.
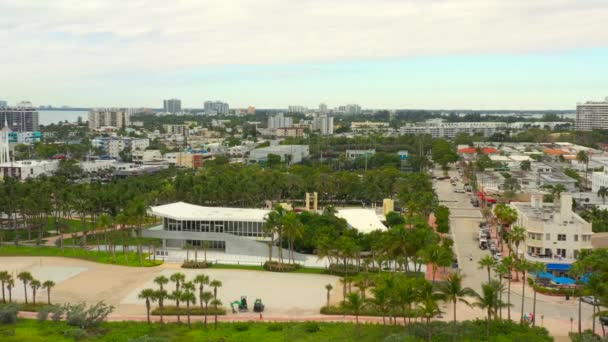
(590, 300)
(483, 244)
(460, 191)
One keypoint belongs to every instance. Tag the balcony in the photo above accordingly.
(546, 259)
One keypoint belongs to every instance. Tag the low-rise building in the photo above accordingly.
(554, 233)
(98, 165)
(354, 154)
(148, 156)
(292, 154)
(557, 178)
(599, 179)
(25, 169)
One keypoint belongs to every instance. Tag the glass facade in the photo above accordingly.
(211, 244)
(240, 228)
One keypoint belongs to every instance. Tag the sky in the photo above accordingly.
(433, 54)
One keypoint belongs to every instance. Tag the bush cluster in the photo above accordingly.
(557, 291)
(349, 269)
(8, 313)
(196, 264)
(172, 310)
(275, 266)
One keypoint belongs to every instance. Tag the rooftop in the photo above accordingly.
(187, 211)
(556, 177)
(27, 163)
(363, 220)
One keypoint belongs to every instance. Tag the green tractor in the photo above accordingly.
(240, 304)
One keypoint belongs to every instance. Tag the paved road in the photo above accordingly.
(464, 224)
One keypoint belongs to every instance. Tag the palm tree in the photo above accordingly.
(201, 280)
(328, 287)
(35, 285)
(522, 266)
(160, 296)
(48, 285)
(4, 277)
(178, 279)
(506, 216)
(489, 300)
(603, 193)
(147, 295)
(452, 290)
(583, 157)
(556, 191)
(216, 302)
(161, 281)
(206, 297)
(215, 284)
(380, 301)
(535, 268)
(176, 295)
(517, 235)
(428, 306)
(188, 297)
(507, 262)
(354, 302)
(10, 285)
(25, 277)
(487, 262)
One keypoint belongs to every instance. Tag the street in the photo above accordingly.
(464, 220)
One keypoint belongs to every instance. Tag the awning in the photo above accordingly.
(564, 281)
(544, 275)
(559, 267)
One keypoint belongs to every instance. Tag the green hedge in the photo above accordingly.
(275, 266)
(557, 291)
(196, 264)
(171, 310)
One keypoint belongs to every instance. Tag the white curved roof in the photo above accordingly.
(363, 220)
(187, 211)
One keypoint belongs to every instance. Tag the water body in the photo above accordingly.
(47, 117)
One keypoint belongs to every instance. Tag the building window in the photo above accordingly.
(575, 238)
(547, 236)
(561, 237)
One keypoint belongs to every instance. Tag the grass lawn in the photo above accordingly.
(78, 253)
(74, 225)
(119, 236)
(31, 330)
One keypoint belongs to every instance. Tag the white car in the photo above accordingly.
(590, 300)
(460, 191)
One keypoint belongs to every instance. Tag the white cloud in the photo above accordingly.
(47, 40)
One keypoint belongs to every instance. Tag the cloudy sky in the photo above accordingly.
(480, 54)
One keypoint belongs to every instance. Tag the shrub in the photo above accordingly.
(274, 266)
(275, 327)
(311, 327)
(75, 333)
(195, 264)
(349, 269)
(241, 326)
(84, 317)
(171, 310)
(56, 313)
(8, 313)
(43, 313)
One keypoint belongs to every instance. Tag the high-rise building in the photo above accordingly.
(172, 106)
(324, 124)
(592, 115)
(279, 121)
(109, 117)
(3, 104)
(218, 107)
(22, 118)
(297, 109)
(4, 143)
(323, 108)
(349, 109)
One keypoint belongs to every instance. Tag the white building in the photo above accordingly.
(279, 121)
(109, 117)
(555, 234)
(439, 129)
(113, 146)
(322, 108)
(5, 143)
(600, 179)
(25, 169)
(354, 154)
(293, 154)
(216, 107)
(324, 124)
(98, 165)
(592, 115)
(177, 129)
(172, 106)
(147, 156)
(232, 230)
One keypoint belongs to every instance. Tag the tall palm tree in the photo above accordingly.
(488, 263)
(428, 307)
(35, 285)
(215, 284)
(603, 193)
(216, 302)
(535, 268)
(380, 301)
(188, 297)
(452, 290)
(4, 276)
(178, 279)
(354, 303)
(523, 266)
(48, 285)
(489, 300)
(517, 235)
(25, 277)
(201, 280)
(508, 263)
(176, 295)
(147, 295)
(10, 285)
(206, 297)
(161, 281)
(328, 287)
(583, 157)
(160, 296)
